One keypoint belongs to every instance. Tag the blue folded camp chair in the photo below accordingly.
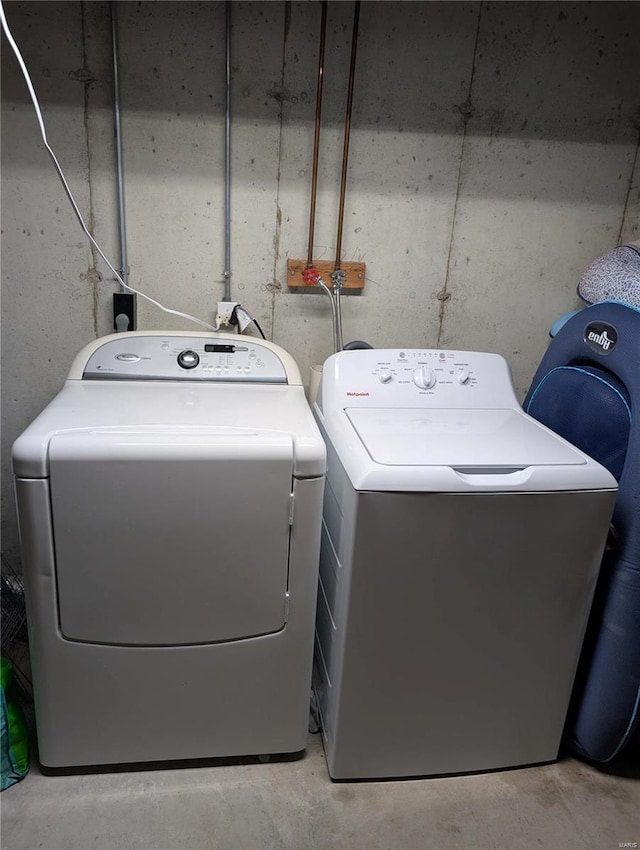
(587, 389)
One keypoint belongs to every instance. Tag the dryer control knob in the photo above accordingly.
(424, 378)
(462, 377)
(385, 377)
(188, 359)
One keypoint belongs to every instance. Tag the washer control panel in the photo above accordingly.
(426, 369)
(173, 357)
(405, 378)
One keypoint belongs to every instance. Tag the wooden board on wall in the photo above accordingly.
(354, 274)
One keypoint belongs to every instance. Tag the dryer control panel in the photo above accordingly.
(406, 378)
(172, 357)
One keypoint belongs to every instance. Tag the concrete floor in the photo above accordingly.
(294, 804)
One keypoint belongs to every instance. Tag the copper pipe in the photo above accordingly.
(316, 138)
(347, 132)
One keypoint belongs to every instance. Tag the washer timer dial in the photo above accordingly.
(424, 377)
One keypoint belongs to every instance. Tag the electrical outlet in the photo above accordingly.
(223, 316)
(124, 304)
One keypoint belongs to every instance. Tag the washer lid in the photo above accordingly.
(463, 439)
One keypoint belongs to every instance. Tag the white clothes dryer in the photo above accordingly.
(461, 547)
(169, 503)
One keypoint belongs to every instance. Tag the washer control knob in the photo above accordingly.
(188, 359)
(462, 377)
(385, 376)
(424, 378)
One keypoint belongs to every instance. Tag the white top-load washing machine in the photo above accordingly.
(461, 546)
(170, 502)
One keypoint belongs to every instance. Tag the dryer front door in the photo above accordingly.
(170, 536)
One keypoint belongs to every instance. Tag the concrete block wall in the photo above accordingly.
(494, 154)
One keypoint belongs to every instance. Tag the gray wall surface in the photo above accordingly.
(494, 154)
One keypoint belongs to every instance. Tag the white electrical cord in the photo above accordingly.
(63, 179)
